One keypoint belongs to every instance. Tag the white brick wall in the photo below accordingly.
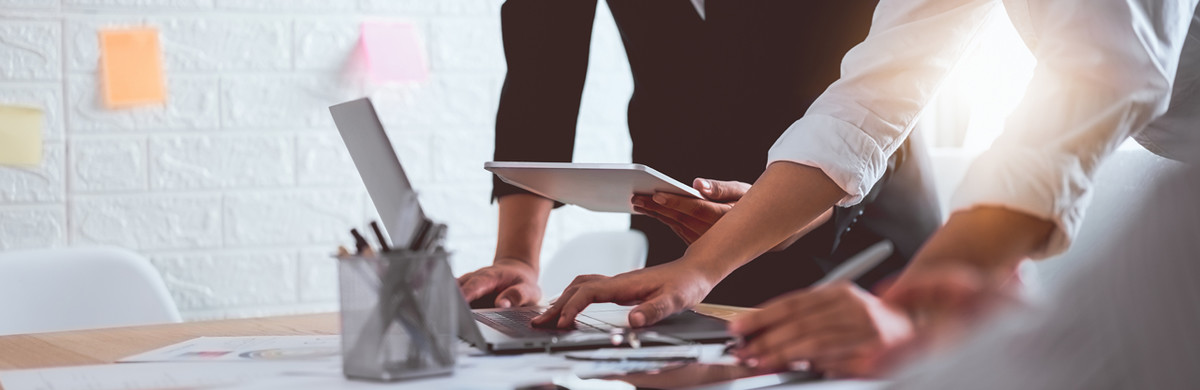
(239, 187)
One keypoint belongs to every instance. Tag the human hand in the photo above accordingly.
(514, 281)
(838, 328)
(658, 292)
(689, 218)
(947, 299)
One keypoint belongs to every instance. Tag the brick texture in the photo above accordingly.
(30, 50)
(221, 161)
(238, 188)
(108, 164)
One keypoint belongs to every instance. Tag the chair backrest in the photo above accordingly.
(49, 290)
(598, 253)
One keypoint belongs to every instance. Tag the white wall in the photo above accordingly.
(239, 187)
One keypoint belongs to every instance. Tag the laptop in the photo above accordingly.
(494, 330)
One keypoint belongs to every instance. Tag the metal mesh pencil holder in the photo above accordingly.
(398, 316)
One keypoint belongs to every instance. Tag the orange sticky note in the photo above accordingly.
(20, 135)
(131, 65)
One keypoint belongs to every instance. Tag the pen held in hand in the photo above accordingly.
(859, 265)
(851, 269)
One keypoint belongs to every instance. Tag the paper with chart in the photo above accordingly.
(246, 349)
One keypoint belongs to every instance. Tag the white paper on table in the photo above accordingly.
(471, 373)
(246, 349)
(141, 376)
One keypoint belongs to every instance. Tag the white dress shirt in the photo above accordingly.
(1105, 71)
(1124, 318)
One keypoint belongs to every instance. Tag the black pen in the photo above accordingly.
(418, 241)
(383, 246)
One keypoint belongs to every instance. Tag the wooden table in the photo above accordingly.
(101, 346)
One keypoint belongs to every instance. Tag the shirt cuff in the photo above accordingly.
(1030, 182)
(853, 160)
(501, 189)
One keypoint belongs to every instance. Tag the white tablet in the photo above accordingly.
(604, 187)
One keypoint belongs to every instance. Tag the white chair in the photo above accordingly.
(49, 290)
(599, 253)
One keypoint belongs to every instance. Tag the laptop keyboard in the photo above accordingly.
(515, 323)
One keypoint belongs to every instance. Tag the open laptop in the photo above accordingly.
(495, 330)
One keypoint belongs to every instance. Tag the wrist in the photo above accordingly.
(991, 240)
(712, 270)
(511, 261)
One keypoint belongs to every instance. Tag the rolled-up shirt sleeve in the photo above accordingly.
(887, 82)
(1105, 71)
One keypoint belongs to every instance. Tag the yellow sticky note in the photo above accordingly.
(131, 65)
(20, 135)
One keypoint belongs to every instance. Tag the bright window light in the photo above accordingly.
(982, 92)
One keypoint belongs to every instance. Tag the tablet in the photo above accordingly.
(604, 187)
(700, 376)
(693, 376)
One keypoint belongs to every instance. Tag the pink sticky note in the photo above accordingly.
(392, 52)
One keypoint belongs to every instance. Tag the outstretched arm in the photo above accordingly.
(546, 45)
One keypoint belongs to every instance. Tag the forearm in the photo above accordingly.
(812, 225)
(785, 199)
(992, 240)
(522, 227)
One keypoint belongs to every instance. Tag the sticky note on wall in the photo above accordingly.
(20, 135)
(393, 52)
(131, 67)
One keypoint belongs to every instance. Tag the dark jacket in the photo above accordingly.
(710, 98)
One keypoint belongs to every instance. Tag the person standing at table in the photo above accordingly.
(1107, 70)
(715, 83)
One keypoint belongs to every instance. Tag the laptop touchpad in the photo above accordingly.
(616, 318)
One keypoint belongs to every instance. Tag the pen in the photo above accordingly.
(418, 241)
(383, 246)
(858, 265)
(434, 238)
(851, 269)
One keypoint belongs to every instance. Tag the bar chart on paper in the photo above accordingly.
(232, 349)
